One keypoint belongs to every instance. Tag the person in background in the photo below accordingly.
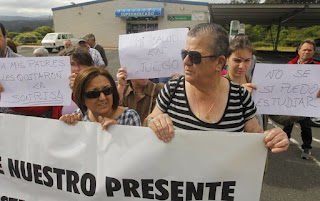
(96, 56)
(203, 99)
(67, 44)
(239, 62)
(12, 45)
(41, 52)
(96, 94)
(137, 94)
(253, 59)
(5, 51)
(91, 40)
(306, 51)
(80, 59)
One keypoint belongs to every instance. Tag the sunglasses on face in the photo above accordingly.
(194, 56)
(96, 93)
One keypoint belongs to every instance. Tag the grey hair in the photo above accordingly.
(64, 42)
(309, 41)
(41, 51)
(219, 39)
(90, 36)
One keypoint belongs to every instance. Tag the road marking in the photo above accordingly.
(297, 143)
(315, 139)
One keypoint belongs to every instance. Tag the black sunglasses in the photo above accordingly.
(96, 93)
(195, 57)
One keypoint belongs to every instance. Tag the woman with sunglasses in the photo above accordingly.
(202, 99)
(96, 94)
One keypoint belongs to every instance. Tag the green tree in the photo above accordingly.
(43, 30)
(27, 38)
(25, 29)
(292, 1)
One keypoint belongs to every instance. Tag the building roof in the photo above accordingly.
(161, 1)
(266, 14)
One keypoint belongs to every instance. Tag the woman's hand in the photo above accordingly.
(122, 76)
(1, 90)
(276, 140)
(72, 78)
(106, 122)
(163, 127)
(250, 87)
(71, 119)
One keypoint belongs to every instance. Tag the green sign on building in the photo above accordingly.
(179, 17)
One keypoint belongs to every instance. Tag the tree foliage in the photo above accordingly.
(289, 36)
(292, 1)
(25, 29)
(44, 30)
(27, 38)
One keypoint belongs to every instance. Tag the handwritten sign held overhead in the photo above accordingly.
(152, 54)
(35, 81)
(287, 89)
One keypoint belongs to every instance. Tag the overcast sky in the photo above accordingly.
(32, 8)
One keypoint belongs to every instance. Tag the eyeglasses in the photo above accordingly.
(95, 93)
(195, 57)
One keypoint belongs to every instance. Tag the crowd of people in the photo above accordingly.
(213, 94)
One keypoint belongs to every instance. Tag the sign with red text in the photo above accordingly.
(35, 81)
(287, 89)
(44, 159)
(153, 54)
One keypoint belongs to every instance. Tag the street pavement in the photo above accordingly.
(287, 176)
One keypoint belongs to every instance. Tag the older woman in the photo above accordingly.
(96, 94)
(202, 99)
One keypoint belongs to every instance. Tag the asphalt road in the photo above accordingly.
(287, 176)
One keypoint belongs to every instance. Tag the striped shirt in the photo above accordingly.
(129, 117)
(240, 108)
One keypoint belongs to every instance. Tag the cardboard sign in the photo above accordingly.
(35, 81)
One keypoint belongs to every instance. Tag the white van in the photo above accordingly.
(55, 41)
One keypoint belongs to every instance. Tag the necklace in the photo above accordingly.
(207, 116)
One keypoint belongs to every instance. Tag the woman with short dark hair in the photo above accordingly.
(96, 94)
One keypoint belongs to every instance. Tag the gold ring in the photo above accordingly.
(157, 124)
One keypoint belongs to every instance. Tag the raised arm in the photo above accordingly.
(121, 77)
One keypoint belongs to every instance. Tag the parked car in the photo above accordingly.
(55, 41)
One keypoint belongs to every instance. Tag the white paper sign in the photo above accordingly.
(287, 89)
(44, 159)
(152, 54)
(35, 81)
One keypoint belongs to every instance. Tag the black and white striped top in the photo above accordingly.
(240, 108)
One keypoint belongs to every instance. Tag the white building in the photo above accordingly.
(107, 19)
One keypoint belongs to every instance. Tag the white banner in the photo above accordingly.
(152, 54)
(287, 89)
(35, 81)
(48, 160)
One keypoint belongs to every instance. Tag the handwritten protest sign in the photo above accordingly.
(152, 54)
(35, 81)
(287, 89)
(55, 161)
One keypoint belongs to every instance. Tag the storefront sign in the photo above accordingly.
(179, 17)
